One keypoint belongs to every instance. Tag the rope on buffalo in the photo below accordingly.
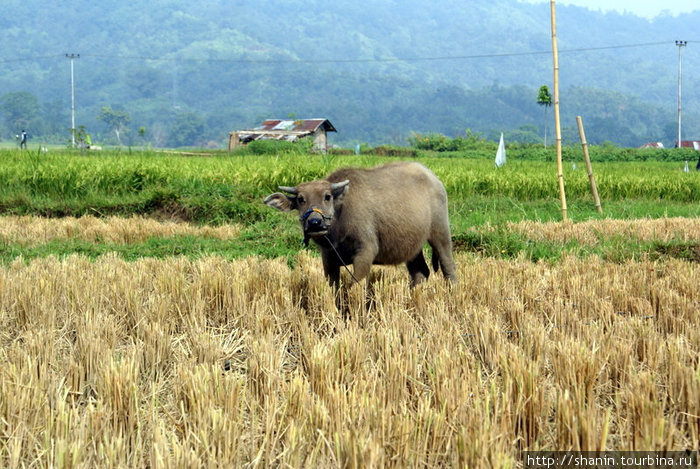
(340, 259)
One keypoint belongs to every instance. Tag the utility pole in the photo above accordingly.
(681, 45)
(557, 118)
(72, 97)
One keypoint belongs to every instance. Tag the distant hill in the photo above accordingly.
(188, 72)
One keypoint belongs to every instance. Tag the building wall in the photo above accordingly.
(233, 141)
(320, 140)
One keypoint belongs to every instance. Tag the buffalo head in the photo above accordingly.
(317, 203)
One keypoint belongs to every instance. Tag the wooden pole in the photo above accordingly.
(589, 167)
(233, 141)
(557, 118)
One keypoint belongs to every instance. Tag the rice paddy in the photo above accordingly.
(214, 362)
(161, 330)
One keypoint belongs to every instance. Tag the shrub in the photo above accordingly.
(340, 151)
(390, 150)
(275, 147)
(441, 143)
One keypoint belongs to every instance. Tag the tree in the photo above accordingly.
(55, 116)
(544, 99)
(115, 120)
(82, 138)
(527, 133)
(144, 81)
(19, 109)
(186, 130)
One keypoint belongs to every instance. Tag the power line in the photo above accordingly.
(379, 60)
(31, 59)
(373, 60)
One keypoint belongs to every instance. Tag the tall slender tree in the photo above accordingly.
(116, 120)
(544, 99)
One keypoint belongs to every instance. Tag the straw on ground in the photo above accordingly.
(173, 363)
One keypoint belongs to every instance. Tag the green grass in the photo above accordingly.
(504, 245)
(286, 243)
(229, 189)
(468, 212)
(70, 179)
(187, 246)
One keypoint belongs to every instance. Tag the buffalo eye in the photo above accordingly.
(300, 199)
(328, 197)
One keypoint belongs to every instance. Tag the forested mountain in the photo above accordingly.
(175, 73)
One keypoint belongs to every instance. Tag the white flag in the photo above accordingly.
(501, 153)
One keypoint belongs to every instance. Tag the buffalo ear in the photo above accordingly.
(281, 202)
(339, 188)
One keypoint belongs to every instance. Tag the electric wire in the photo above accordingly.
(334, 60)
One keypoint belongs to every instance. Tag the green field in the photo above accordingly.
(223, 189)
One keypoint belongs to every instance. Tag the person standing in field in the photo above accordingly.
(23, 140)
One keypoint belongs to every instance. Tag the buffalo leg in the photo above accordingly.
(418, 269)
(443, 247)
(332, 269)
(363, 262)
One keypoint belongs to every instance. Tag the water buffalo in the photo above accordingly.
(383, 215)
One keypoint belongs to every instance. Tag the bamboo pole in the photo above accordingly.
(557, 118)
(589, 167)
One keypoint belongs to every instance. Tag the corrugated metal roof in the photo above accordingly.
(653, 145)
(285, 129)
(695, 144)
(296, 125)
(247, 136)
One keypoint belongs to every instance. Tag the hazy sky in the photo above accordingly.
(645, 8)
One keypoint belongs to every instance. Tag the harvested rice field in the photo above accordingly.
(208, 360)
